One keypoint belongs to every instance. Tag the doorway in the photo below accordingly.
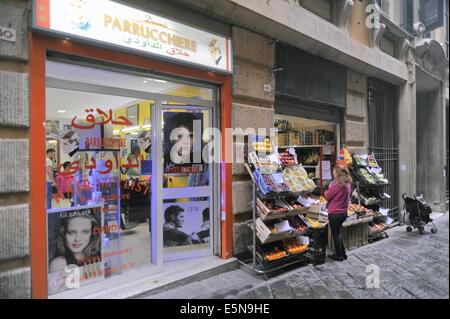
(111, 130)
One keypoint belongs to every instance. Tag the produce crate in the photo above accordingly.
(266, 236)
(354, 235)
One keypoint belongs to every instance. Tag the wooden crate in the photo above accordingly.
(353, 236)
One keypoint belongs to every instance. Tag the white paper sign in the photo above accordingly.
(274, 158)
(389, 221)
(307, 202)
(283, 226)
(278, 178)
(326, 170)
(384, 211)
(303, 240)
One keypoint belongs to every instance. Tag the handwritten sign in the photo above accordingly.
(113, 23)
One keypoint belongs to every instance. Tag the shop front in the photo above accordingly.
(124, 107)
(309, 111)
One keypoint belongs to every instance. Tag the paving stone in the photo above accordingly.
(281, 290)
(405, 273)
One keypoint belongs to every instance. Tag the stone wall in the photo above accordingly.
(252, 108)
(356, 137)
(15, 271)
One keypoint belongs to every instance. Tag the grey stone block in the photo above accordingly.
(246, 116)
(253, 47)
(14, 99)
(356, 82)
(14, 232)
(242, 236)
(15, 284)
(249, 80)
(16, 18)
(356, 132)
(242, 193)
(356, 105)
(14, 171)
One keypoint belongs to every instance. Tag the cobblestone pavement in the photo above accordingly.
(411, 266)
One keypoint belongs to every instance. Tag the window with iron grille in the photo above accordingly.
(383, 136)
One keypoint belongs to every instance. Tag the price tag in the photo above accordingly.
(292, 151)
(278, 178)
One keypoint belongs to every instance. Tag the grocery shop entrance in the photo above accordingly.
(314, 142)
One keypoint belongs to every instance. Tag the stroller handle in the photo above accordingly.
(403, 196)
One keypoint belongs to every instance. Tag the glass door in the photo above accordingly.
(185, 203)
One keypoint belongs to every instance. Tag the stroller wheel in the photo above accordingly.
(409, 229)
(434, 230)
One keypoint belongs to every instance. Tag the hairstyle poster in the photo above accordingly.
(182, 147)
(186, 223)
(74, 248)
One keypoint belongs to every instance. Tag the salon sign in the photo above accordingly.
(113, 23)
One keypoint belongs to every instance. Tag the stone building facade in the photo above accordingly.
(333, 30)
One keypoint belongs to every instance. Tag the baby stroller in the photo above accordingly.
(418, 212)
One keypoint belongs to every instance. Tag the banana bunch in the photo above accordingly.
(312, 158)
(314, 223)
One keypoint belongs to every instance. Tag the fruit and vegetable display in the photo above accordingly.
(354, 208)
(275, 254)
(293, 247)
(314, 223)
(294, 204)
(376, 227)
(266, 164)
(262, 144)
(347, 157)
(311, 159)
(297, 179)
(272, 183)
(366, 176)
(298, 224)
(359, 160)
(275, 206)
(380, 179)
(371, 161)
(359, 210)
(287, 159)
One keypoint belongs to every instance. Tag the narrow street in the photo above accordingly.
(411, 266)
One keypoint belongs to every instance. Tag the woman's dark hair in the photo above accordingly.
(91, 250)
(50, 150)
(173, 210)
(184, 119)
(205, 214)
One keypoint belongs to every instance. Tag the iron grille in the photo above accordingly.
(383, 137)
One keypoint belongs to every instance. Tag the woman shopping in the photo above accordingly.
(338, 197)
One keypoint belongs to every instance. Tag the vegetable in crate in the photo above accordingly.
(275, 254)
